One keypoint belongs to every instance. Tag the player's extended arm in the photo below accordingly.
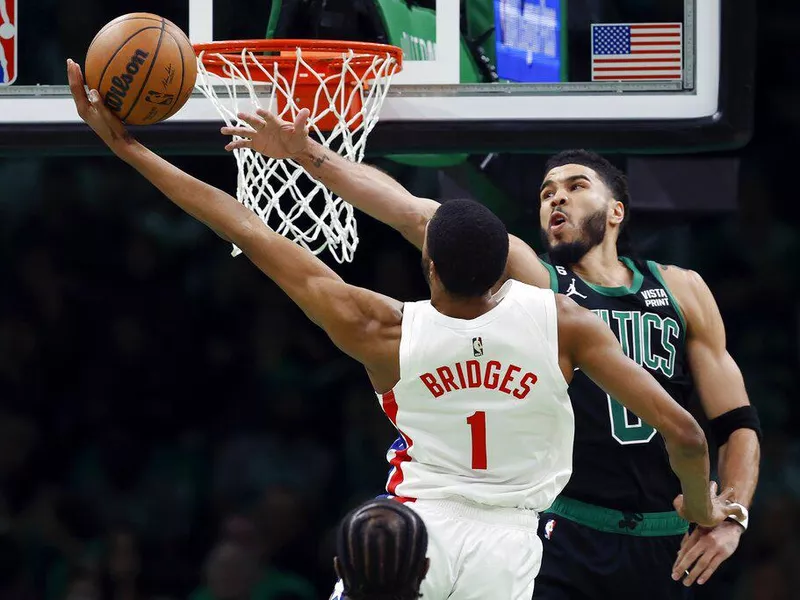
(733, 421)
(719, 382)
(362, 323)
(585, 342)
(367, 188)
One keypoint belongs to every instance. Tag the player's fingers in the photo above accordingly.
(268, 116)
(76, 87)
(727, 494)
(255, 122)
(698, 569)
(687, 560)
(301, 120)
(687, 543)
(710, 569)
(714, 487)
(244, 132)
(238, 144)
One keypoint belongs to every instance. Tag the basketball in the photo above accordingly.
(144, 67)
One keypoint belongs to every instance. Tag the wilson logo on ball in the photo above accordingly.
(121, 84)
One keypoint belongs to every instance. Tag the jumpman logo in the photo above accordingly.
(571, 291)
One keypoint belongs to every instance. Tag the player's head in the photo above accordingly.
(381, 552)
(465, 249)
(583, 201)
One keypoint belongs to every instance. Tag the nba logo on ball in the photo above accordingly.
(8, 41)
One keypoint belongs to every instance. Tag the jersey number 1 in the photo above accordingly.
(477, 425)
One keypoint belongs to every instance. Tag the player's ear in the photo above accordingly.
(617, 213)
(425, 568)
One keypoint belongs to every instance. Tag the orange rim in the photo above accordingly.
(281, 54)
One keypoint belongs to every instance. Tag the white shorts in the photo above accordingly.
(478, 552)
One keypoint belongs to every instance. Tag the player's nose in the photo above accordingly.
(559, 199)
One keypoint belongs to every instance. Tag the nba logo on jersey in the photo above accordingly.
(548, 528)
(477, 346)
(8, 41)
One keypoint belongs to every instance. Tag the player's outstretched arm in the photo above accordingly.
(585, 342)
(732, 420)
(367, 188)
(362, 323)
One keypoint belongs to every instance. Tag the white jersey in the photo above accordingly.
(482, 406)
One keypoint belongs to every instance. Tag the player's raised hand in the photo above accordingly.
(92, 110)
(269, 134)
(715, 511)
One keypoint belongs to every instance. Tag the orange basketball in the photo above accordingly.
(143, 66)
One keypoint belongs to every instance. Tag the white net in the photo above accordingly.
(286, 198)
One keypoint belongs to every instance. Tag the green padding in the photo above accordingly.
(274, 14)
(435, 161)
(614, 521)
(413, 28)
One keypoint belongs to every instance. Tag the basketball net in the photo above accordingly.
(345, 107)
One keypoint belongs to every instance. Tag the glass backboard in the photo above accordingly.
(479, 75)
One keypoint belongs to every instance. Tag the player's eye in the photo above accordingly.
(547, 194)
(577, 186)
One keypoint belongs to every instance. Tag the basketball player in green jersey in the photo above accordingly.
(614, 526)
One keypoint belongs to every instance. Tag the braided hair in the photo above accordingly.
(381, 552)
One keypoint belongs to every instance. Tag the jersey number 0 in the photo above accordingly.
(626, 430)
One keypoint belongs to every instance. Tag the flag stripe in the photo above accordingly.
(665, 43)
(650, 51)
(654, 76)
(655, 26)
(637, 60)
(641, 68)
(652, 35)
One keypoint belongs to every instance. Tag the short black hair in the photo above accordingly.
(614, 179)
(381, 547)
(468, 244)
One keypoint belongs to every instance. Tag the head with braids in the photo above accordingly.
(381, 552)
(583, 203)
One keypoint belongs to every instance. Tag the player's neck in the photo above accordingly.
(462, 308)
(601, 266)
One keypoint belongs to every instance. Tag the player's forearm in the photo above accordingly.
(739, 463)
(213, 207)
(689, 461)
(369, 190)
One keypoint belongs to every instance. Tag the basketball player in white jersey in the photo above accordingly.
(475, 382)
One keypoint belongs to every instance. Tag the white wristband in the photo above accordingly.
(744, 520)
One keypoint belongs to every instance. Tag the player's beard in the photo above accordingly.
(593, 232)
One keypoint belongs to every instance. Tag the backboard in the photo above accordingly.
(479, 75)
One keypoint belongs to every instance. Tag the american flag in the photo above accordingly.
(637, 52)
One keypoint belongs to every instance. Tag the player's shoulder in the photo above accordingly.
(681, 282)
(689, 289)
